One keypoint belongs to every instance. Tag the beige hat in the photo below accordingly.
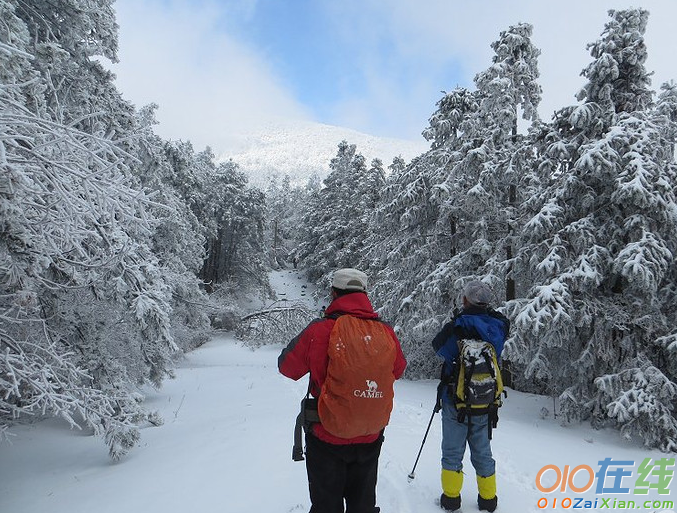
(349, 279)
(478, 293)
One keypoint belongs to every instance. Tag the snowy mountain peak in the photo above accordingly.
(301, 148)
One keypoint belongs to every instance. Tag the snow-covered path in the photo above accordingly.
(226, 447)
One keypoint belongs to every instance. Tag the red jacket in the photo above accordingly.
(308, 353)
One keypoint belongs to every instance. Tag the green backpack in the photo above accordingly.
(478, 386)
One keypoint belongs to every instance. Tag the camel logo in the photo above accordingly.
(371, 392)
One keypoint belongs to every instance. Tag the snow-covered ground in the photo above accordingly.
(290, 285)
(226, 447)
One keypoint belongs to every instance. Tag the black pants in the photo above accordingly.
(338, 472)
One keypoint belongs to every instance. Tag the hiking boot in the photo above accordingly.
(450, 503)
(487, 504)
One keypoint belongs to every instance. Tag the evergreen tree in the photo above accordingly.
(333, 228)
(508, 86)
(617, 79)
(283, 218)
(178, 238)
(457, 202)
(233, 213)
(595, 328)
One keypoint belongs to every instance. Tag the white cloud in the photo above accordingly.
(212, 88)
(209, 86)
(461, 32)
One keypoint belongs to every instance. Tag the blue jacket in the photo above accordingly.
(471, 323)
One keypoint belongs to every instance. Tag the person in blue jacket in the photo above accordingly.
(477, 320)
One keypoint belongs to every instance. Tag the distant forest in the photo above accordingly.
(119, 250)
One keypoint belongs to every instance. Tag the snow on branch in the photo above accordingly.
(546, 220)
(74, 220)
(668, 342)
(644, 263)
(546, 309)
(641, 399)
(278, 323)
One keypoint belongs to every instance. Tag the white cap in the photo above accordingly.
(349, 279)
(478, 293)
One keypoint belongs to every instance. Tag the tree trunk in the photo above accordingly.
(512, 200)
(510, 281)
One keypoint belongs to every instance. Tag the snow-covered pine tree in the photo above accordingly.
(403, 246)
(283, 218)
(368, 188)
(403, 243)
(371, 188)
(509, 91)
(332, 224)
(277, 196)
(417, 236)
(597, 327)
(462, 195)
(233, 213)
(379, 225)
(178, 238)
(618, 81)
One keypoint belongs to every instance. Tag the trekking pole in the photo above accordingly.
(438, 407)
(411, 475)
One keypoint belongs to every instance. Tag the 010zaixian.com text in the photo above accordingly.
(617, 477)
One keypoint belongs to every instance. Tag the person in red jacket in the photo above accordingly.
(339, 468)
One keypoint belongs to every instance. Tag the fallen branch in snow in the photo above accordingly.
(275, 324)
(270, 311)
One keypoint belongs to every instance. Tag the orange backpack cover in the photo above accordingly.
(357, 396)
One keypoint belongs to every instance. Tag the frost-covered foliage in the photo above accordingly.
(178, 238)
(84, 305)
(599, 251)
(449, 214)
(574, 223)
(65, 38)
(103, 228)
(284, 216)
(222, 238)
(233, 213)
(336, 217)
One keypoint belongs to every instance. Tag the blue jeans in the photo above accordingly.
(454, 437)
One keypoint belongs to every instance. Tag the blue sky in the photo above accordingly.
(218, 68)
(331, 56)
